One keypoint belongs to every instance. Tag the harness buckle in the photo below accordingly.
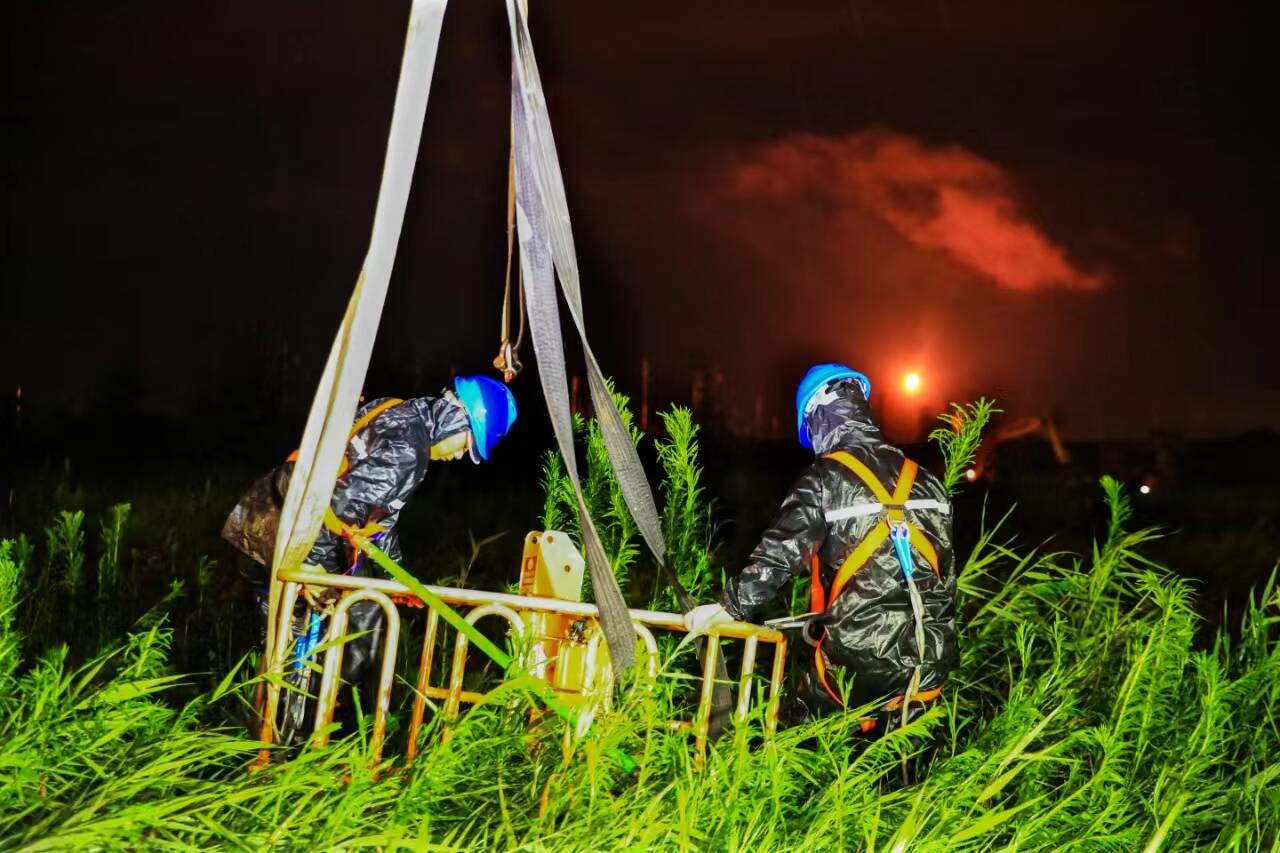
(900, 535)
(805, 630)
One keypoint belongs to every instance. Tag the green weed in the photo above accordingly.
(687, 515)
(618, 532)
(111, 530)
(960, 438)
(1083, 715)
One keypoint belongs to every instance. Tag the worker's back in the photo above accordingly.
(386, 460)
(869, 618)
(844, 511)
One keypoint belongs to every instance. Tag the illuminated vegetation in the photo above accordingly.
(1085, 712)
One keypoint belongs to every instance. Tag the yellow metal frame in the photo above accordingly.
(511, 608)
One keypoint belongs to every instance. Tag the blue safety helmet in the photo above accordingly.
(491, 410)
(818, 377)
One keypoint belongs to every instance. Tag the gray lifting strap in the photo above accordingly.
(546, 244)
(546, 248)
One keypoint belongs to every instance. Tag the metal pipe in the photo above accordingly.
(424, 679)
(652, 665)
(329, 683)
(275, 665)
(703, 722)
(471, 597)
(469, 697)
(744, 683)
(390, 645)
(462, 644)
(651, 647)
(276, 587)
(775, 687)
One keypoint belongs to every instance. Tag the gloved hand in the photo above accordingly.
(704, 617)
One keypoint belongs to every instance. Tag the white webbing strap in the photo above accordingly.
(861, 510)
(334, 407)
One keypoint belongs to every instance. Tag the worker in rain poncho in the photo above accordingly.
(391, 446)
(872, 531)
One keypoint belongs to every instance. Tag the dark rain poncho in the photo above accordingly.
(387, 461)
(870, 627)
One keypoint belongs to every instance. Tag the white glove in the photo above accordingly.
(704, 617)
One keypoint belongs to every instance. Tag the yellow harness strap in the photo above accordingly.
(894, 505)
(341, 528)
(366, 419)
(867, 476)
(372, 415)
(858, 558)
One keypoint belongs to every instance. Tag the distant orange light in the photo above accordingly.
(911, 383)
(971, 475)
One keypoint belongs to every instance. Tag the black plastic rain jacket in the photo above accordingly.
(387, 461)
(870, 627)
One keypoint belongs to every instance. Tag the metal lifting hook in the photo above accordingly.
(508, 361)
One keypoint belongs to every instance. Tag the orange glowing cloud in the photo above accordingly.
(943, 198)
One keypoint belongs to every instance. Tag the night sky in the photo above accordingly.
(1067, 205)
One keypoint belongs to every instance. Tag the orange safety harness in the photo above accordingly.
(894, 512)
(334, 524)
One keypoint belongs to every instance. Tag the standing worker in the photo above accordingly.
(392, 443)
(873, 531)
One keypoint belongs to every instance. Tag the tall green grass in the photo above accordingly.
(603, 495)
(108, 582)
(960, 438)
(687, 515)
(688, 524)
(1083, 715)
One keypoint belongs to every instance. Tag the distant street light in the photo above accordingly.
(911, 383)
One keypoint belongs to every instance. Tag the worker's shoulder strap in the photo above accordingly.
(894, 504)
(361, 423)
(906, 479)
(372, 415)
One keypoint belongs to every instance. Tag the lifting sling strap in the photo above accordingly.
(547, 253)
(337, 395)
(893, 507)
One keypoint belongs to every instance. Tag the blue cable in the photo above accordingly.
(307, 643)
